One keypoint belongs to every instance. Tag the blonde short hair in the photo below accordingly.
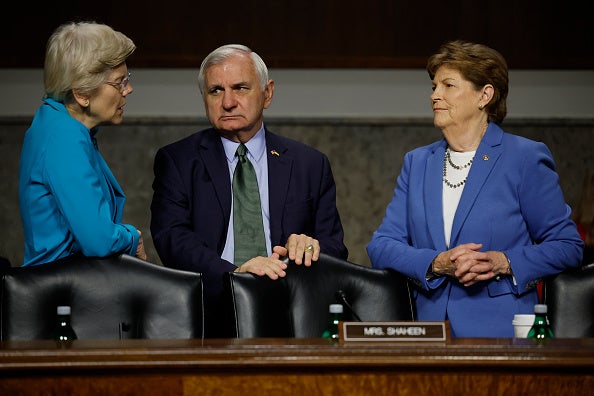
(80, 56)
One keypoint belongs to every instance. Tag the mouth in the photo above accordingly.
(229, 117)
(436, 107)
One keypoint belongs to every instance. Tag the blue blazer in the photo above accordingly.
(69, 199)
(512, 202)
(192, 204)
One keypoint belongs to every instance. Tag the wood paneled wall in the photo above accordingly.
(316, 34)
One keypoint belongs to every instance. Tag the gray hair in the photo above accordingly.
(80, 56)
(224, 52)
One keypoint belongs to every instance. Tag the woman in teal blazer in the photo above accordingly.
(70, 201)
(477, 218)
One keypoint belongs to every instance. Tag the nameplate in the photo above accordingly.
(407, 331)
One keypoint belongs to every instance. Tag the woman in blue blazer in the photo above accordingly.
(477, 218)
(70, 201)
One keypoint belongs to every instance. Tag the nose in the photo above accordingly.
(229, 100)
(434, 95)
(128, 90)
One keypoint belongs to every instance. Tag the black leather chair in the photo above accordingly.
(4, 264)
(570, 299)
(114, 297)
(297, 305)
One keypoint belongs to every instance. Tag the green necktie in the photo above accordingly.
(247, 211)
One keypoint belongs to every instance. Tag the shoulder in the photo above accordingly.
(292, 147)
(524, 147)
(421, 153)
(496, 135)
(53, 126)
(192, 142)
(522, 143)
(53, 118)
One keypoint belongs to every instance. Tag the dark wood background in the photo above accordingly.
(315, 33)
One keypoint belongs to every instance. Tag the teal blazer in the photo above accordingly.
(512, 202)
(69, 199)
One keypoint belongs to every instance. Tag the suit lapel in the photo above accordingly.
(213, 156)
(433, 190)
(486, 156)
(279, 177)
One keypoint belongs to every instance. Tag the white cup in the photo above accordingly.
(522, 325)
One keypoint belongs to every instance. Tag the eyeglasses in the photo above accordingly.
(120, 85)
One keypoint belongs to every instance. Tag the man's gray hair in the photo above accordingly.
(224, 52)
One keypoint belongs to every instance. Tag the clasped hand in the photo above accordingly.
(467, 264)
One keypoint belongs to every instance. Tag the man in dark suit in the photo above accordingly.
(192, 209)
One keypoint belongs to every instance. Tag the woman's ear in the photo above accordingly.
(486, 95)
(81, 99)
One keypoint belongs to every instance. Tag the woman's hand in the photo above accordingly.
(446, 262)
(473, 266)
(140, 253)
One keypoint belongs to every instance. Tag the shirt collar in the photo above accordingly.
(61, 107)
(256, 146)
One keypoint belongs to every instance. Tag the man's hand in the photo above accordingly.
(271, 266)
(303, 249)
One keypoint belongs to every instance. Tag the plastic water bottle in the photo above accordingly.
(64, 333)
(335, 316)
(541, 328)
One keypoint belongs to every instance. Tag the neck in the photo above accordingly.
(240, 135)
(467, 138)
(80, 113)
(237, 136)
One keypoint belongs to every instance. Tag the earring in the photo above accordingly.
(480, 107)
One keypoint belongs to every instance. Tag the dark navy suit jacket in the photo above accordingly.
(192, 204)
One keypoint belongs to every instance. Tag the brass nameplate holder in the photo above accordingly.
(407, 331)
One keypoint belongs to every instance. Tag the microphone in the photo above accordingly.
(341, 295)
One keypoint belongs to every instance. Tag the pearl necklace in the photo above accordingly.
(447, 159)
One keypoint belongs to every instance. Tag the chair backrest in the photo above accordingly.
(297, 305)
(570, 300)
(4, 264)
(114, 297)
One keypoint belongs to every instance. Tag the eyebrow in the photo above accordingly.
(120, 77)
(233, 86)
(446, 79)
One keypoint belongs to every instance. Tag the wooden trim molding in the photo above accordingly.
(297, 367)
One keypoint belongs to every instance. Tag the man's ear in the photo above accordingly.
(268, 93)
